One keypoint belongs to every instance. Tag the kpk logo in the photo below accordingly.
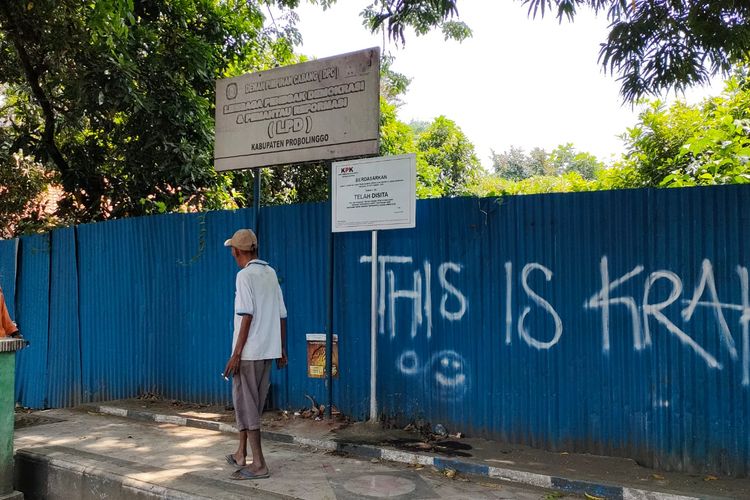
(347, 170)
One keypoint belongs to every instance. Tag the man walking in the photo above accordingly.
(259, 337)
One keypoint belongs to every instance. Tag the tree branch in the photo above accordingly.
(34, 80)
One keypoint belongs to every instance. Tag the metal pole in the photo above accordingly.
(256, 198)
(329, 333)
(374, 329)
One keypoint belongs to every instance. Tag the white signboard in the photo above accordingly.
(318, 110)
(375, 193)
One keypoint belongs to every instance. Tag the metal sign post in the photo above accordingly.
(256, 193)
(329, 333)
(369, 195)
(374, 329)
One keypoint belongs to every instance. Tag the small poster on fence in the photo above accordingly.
(316, 355)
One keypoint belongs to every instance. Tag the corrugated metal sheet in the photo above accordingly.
(8, 250)
(295, 241)
(473, 298)
(607, 322)
(352, 323)
(64, 361)
(157, 293)
(32, 317)
(192, 286)
(421, 272)
(116, 348)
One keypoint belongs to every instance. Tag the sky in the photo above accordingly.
(516, 82)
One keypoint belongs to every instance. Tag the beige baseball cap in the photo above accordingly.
(243, 239)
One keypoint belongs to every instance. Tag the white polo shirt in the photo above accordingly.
(257, 293)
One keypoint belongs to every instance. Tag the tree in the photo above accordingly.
(419, 126)
(653, 144)
(25, 204)
(492, 185)
(116, 97)
(515, 164)
(112, 101)
(654, 45)
(446, 162)
(687, 145)
(657, 45)
(396, 138)
(444, 146)
(393, 85)
(436, 175)
(512, 164)
(539, 162)
(421, 15)
(564, 158)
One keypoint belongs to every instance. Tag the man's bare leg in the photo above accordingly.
(258, 465)
(241, 453)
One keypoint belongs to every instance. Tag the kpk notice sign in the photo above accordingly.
(374, 193)
(318, 110)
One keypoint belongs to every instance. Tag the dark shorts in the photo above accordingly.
(249, 391)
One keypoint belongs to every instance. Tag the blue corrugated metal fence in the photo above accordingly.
(608, 322)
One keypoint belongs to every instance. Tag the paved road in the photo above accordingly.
(189, 461)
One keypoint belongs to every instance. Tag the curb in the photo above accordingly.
(562, 484)
(29, 458)
(41, 471)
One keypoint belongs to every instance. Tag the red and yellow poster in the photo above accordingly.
(316, 355)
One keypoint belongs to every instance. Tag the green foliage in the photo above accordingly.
(492, 185)
(455, 30)
(24, 204)
(110, 103)
(113, 100)
(512, 164)
(446, 161)
(656, 45)
(516, 165)
(294, 184)
(418, 126)
(564, 158)
(393, 84)
(654, 143)
(117, 97)
(420, 15)
(396, 137)
(692, 145)
(676, 146)
(445, 147)
(539, 162)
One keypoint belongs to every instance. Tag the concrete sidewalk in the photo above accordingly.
(603, 477)
(79, 454)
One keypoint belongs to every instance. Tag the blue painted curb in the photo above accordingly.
(567, 485)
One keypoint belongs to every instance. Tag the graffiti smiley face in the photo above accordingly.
(448, 375)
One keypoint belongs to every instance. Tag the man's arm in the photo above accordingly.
(282, 361)
(233, 365)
